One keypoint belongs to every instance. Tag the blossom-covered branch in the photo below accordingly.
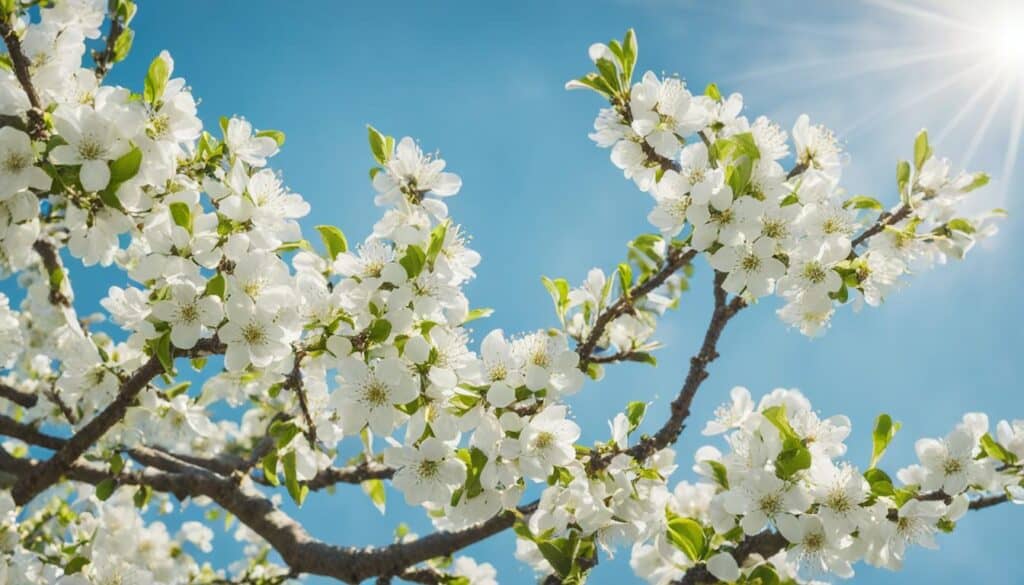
(320, 349)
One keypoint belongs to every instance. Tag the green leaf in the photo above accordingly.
(283, 432)
(559, 291)
(182, 215)
(559, 553)
(334, 240)
(610, 74)
(980, 180)
(75, 565)
(413, 261)
(687, 535)
(763, 575)
(630, 52)
(903, 179)
(379, 331)
(961, 225)
(105, 488)
(880, 482)
(297, 491)
(793, 458)
(142, 496)
(863, 202)
(777, 416)
(215, 286)
(996, 451)
(635, 412)
(116, 464)
(746, 145)
(437, 236)
(378, 145)
(721, 473)
(163, 352)
(625, 273)
(922, 150)
(123, 45)
(277, 135)
(712, 92)
(269, 466)
(156, 80)
(885, 430)
(478, 314)
(375, 489)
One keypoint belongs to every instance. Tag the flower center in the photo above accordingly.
(952, 466)
(770, 504)
(188, 313)
(838, 502)
(90, 149)
(750, 263)
(158, 126)
(428, 469)
(376, 393)
(814, 541)
(774, 228)
(544, 440)
(15, 162)
(253, 334)
(814, 272)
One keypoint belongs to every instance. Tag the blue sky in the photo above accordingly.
(484, 85)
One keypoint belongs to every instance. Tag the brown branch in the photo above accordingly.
(676, 259)
(19, 397)
(52, 264)
(884, 221)
(31, 435)
(53, 396)
(768, 543)
(294, 383)
(350, 474)
(223, 464)
(796, 170)
(49, 473)
(680, 409)
(105, 60)
(21, 65)
(299, 550)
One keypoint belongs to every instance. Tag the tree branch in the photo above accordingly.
(49, 473)
(105, 60)
(768, 543)
(20, 64)
(676, 259)
(19, 397)
(884, 220)
(680, 409)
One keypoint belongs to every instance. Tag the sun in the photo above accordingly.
(1004, 40)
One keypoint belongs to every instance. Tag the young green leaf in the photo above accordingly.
(885, 430)
(378, 145)
(687, 535)
(334, 240)
(375, 489)
(156, 80)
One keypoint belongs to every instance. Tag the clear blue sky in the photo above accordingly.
(484, 85)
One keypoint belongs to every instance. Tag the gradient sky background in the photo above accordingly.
(484, 84)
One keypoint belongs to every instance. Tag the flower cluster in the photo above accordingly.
(783, 471)
(719, 187)
(319, 350)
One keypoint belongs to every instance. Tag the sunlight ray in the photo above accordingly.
(967, 108)
(922, 13)
(887, 108)
(979, 134)
(1012, 148)
(875, 60)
